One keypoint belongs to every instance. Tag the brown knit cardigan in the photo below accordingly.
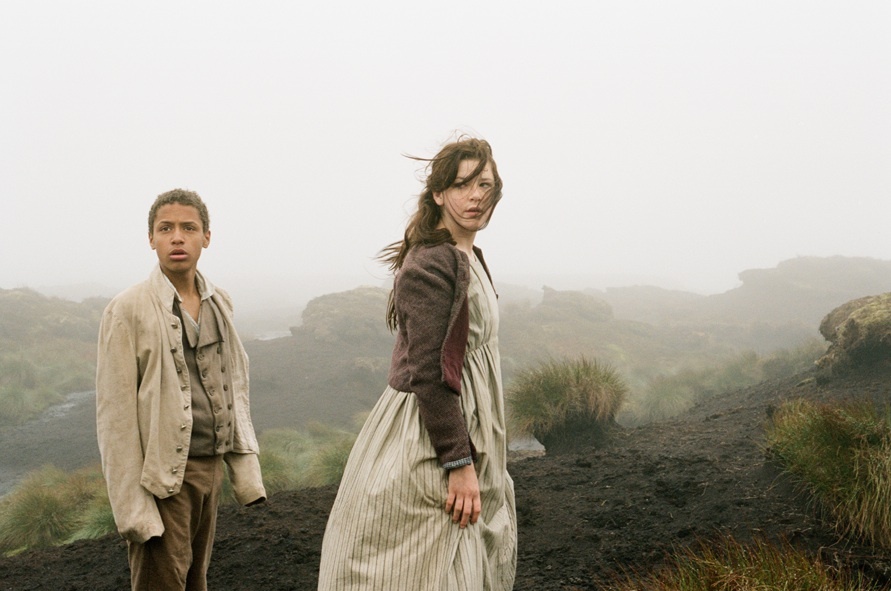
(430, 296)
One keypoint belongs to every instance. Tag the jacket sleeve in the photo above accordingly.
(135, 511)
(244, 474)
(424, 298)
(243, 463)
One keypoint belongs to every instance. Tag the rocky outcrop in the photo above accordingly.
(859, 332)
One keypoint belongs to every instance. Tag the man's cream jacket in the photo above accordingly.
(143, 406)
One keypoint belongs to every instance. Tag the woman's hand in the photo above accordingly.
(463, 502)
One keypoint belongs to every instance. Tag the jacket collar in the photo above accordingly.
(165, 291)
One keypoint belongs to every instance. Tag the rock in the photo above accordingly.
(859, 332)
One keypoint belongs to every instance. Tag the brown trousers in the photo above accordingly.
(179, 558)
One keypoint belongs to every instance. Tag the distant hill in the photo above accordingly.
(773, 308)
(79, 291)
(28, 317)
(47, 350)
(801, 290)
(333, 364)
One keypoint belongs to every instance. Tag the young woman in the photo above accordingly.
(426, 502)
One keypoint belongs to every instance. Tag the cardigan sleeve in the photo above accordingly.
(425, 294)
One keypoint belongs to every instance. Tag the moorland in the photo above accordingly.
(677, 469)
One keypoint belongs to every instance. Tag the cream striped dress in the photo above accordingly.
(388, 530)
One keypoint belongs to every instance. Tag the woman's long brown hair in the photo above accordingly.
(423, 227)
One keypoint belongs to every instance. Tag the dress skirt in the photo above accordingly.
(388, 530)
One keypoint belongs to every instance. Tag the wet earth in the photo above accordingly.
(585, 517)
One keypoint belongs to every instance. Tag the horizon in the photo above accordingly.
(296, 292)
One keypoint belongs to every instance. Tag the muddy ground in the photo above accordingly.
(584, 517)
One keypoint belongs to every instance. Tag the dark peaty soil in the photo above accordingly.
(584, 517)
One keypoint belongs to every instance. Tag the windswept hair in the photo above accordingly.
(183, 197)
(423, 227)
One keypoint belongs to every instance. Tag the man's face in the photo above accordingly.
(178, 237)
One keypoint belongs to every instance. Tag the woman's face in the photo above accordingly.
(464, 206)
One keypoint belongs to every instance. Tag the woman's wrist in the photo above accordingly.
(458, 463)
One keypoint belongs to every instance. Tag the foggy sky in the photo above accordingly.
(668, 143)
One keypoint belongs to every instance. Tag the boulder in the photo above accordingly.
(859, 333)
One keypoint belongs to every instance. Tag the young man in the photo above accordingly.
(172, 405)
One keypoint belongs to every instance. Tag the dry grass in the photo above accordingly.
(558, 393)
(843, 456)
(731, 566)
(47, 509)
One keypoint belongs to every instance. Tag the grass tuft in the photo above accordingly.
(731, 566)
(842, 454)
(46, 508)
(560, 397)
(94, 521)
(329, 460)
